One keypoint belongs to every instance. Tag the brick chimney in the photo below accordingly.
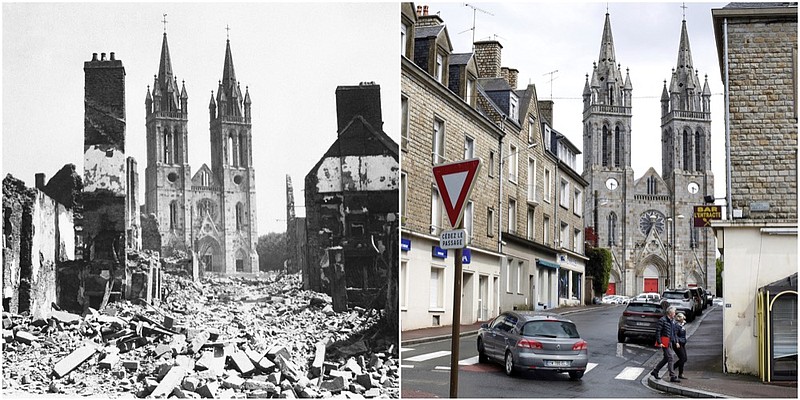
(510, 75)
(363, 100)
(546, 110)
(424, 19)
(39, 180)
(487, 56)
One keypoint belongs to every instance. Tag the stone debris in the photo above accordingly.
(218, 337)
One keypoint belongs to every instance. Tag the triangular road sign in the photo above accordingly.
(455, 182)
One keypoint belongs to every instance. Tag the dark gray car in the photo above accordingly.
(533, 341)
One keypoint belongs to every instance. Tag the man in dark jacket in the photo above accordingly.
(665, 334)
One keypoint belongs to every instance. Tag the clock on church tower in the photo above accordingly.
(650, 219)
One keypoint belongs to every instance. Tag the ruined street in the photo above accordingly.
(258, 336)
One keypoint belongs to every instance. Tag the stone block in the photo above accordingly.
(73, 360)
(234, 382)
(178, 343)
(253, 384)
(274, 351)
(8, 335)
(171, 381)
(334, 385)
(319, 359)
(190, 383)
(198, 341)
(209, 361)
(364, 380)
(274, 378)
(242, 362)
(131, 365)
(259, 394)
(184, 361)
(65, 317)
(7, 324)
(209, 390)
(288, 394)
(372, 393)
(162, 350)
(109, 361)
(352, 365)
(261, 362)
(25, 337)
(179, 393)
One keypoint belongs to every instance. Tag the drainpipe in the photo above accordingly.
(500, 194)
(728, 200)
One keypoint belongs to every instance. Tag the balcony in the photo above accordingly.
(607, 109)
(696, 115)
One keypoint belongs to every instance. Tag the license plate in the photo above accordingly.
(550, 363)
(642, 324)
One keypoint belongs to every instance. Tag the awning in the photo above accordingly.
(547, 264)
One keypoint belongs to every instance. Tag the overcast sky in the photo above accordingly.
(538, 38)
(292, 57)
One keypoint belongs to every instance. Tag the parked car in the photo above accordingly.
(624, 299)
(525, 340)
(718, 301)
(698, 300)
(702, 297)
(651, 297)
(640, 318)
(682, 300)
(709, 297)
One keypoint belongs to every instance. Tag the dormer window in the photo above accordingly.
(439, 73)
(470, 90)
(513, 108)
(531, 130)
(404, 40)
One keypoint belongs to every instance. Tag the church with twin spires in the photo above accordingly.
(646, 222)
(211, 214)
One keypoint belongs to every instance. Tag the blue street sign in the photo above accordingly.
(466, 256)
(439, 252)
(405, 244)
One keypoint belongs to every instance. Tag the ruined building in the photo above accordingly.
(351, 198)
(211, 214)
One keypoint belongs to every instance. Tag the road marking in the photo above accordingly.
(442, 368)
(402, 349)
(406, 366)
(590, 366)
(469, 361)
(428, 356)
(629, 373)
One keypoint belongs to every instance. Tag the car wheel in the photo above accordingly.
(509, 364)
(690, 317)
(482, 358)
(620, 337)
(700, 311)
(575, 374)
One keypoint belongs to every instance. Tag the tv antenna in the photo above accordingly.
(474, 13)
(551, 73)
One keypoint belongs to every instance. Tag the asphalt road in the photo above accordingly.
(615, 370)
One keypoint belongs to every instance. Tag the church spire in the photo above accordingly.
(685, 86)
(165, 86)
(229, 91)
(607, 75)
(607, 44)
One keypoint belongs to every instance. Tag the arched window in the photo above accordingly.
(173, 215)
(204, 178)
(177, 146)
(619, 147)
(651, 185)
(612, 229)
(687, 159)
(165, 155)
(239, 216)
(606, 149)
(699, 151)
(243, 149)
(230, 150)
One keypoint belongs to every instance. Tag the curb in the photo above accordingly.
(668, 387)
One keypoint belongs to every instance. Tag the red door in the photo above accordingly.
(612, 288)
(651, 285)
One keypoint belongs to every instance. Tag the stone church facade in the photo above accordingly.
(211, 214)
(646, 222)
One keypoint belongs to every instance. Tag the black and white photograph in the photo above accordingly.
(200, 200)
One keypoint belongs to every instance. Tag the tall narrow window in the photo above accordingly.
(577, 241)
(531, 130)
(699, 152)
(577, 202)
(242, 149)
(532, 180)
(229, 153)
(546, 230)
(612, 229)
(490, 222)
(470, 91)
(439, 73)
(468, 218)
(436, 288)
(403, 194)
(403, 39)
(491, 164)
(686, 153)
(606, 148)
(512, 216)
(563, 240)
(239, 216)
(438, 141)
(530, 231)
(620, 146)
(173, 215)
(694, 236)
(564, 194)
(513, 155)
(403, 122)
(548, 183)
(513, 107)
(469, 147)
(436, 212)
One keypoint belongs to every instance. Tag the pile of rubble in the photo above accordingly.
(222, 337)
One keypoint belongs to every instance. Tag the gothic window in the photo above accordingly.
(699, 151)
(612, 229)
(619, 147)
(687, 159)
(239, 216)
(242, 149)
(173, 215)
(177, 149)
(651, 185)
(204, 178)
(605, 146)
(694, 235)
(167, 135)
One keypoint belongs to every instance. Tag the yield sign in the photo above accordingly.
(455, 182)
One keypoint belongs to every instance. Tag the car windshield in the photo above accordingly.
(644, 308)
(673, 295)
(550, 329)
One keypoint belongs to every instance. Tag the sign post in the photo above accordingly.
(455, 182)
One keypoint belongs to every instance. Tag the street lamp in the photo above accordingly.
(673, 246)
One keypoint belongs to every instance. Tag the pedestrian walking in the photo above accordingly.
(679, 345)
(665, 334)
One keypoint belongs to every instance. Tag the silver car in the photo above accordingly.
(524, 340)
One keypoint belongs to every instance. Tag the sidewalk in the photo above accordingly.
(704, 367)
(426, 335)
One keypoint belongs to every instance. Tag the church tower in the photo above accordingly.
(232, 168)
(607, 112)
(686, 164)
(168, 175)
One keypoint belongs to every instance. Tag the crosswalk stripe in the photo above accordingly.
(428, 356)
(402, 349)
(590, 366)
(629, 373)
(442, 368)
(469, 361)
(406, 366)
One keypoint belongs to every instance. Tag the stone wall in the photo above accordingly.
(763, 70)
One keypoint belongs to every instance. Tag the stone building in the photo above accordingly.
(466, 105)
(352, 209)
(211, 214)
(757, 49)
(646, 222)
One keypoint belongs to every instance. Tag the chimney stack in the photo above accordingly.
(424, 19)
(363, 100)
(546, 111)
(40, 181)
(487, 56)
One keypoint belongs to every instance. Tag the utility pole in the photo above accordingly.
(474, 12)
